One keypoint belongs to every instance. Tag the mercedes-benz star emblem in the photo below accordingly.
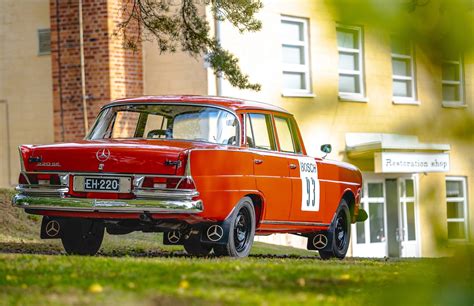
(52, 228)
(102, 155)
(215, 232)
(320, 241)
(174, 236)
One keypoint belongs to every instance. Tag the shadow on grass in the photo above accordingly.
(41, 248)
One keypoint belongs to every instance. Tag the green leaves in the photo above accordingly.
(182, 25)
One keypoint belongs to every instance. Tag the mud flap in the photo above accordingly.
(173, 238)
(216, 233)
(51, 228)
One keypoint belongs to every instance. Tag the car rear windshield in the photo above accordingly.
(166, 121)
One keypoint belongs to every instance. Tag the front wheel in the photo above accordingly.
(341, 233)
(82, 236)
(241, 231)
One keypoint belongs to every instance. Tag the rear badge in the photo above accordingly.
(48, 164)
(102, 155)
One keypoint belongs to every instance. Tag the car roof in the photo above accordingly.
(230, 103)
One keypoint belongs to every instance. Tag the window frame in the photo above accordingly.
(270, 131)
(460, 83)
(294, 135)
(39, 33)
(351, 96)
(295, 68)
(412, 78)
(464, 200)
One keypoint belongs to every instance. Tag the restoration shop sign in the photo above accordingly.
(399, 162)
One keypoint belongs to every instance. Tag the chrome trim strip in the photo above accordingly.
(116, 206)
(22, 162)
(276, 222)
(53, 189)
(106, 174)
(165, 193)
(339, 182)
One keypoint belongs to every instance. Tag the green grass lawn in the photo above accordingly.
(137, 269)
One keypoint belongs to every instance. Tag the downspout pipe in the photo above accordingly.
(60, 80)
(83, 70)
(217, 26)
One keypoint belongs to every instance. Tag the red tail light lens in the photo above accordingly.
(168, 183)
(40, 179)
(22, 179)
(187, 183)
(154, 182)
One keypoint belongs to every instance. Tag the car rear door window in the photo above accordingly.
(260, 132)
(285, 137)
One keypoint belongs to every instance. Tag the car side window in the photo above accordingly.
(260, 132)
(285, 137)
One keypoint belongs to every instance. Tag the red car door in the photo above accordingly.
(270, 169)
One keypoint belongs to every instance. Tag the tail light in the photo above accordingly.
(39, 179)
(168, 183)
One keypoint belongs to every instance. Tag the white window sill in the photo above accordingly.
(405, 101)
(353, 98)
(297, 95)
(453, 104)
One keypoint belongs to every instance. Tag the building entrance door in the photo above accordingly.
(408, 216)
(391, 229)
(369, 238)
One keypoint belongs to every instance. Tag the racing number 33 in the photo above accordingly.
(309, 184)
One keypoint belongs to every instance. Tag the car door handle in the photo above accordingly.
(292, 166)
(258, 161)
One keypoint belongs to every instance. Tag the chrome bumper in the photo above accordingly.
(55, 199)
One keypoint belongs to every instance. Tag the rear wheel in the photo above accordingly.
(341, 233)
(82, 236)
(241, 231)
(193, 246)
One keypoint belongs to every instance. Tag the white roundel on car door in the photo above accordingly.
(309, 184)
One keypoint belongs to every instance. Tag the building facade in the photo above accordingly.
(383, 102)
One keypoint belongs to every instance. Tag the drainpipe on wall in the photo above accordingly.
(217, 25)
(60, 84)
(83, 72)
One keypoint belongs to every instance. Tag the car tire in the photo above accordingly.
(241, 231)
(82, 236)
(341, 233)
(195, 247)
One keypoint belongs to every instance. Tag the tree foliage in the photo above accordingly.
(444, 28)
(182, 25)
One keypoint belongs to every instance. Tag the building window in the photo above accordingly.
(351, 72)
(453, 91)
(44, 41)
(295, 56)
(403, 70)
(456, 205)
(373, 201)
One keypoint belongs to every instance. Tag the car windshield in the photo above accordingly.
(166, 121)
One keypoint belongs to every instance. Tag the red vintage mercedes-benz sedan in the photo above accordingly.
(208, 172)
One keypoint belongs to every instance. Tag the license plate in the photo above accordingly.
(102, 184)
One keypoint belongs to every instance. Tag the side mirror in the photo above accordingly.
(326, 148)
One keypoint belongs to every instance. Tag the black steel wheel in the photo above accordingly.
(193, 246)
(82, 236)
(241, 231)
(341, 233)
